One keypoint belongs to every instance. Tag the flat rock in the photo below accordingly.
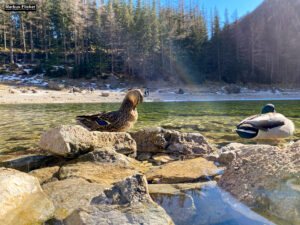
(259, 171)
(96, 172)
(22, 199)
(102, 166)
(127, 202)
(70, 194)
(159, 140)
(70, 141)
(183, 171)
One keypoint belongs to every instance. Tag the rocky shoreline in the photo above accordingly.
(79, 177)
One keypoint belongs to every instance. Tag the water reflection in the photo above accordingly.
(210, 205)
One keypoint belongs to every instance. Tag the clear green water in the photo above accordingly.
(22, 125)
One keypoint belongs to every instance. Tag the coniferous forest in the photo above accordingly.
(152, 40)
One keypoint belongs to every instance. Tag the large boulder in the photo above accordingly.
(127, 202)
(183, 171)
(70, 141)
(70, 194)
(159, 140)
(265, 176)
(22, 199)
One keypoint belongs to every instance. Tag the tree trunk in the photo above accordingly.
(45, 38)
(31, 44)
(11, 43)
(23, 34)
(4, 34)
(64, 40)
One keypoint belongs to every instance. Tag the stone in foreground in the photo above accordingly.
(70, 141)
(128, 202)
(158, 140)
(22, 199)
(183, 171)
(70, 194)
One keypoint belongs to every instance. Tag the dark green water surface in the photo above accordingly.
(22, 125)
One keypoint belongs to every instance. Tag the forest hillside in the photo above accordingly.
(153, 40)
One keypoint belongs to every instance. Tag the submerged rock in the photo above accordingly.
(172, 189)
(22, 199)
(259, 176)
(127, 202)
(27, 163)
(183, 171)
(73, 140)
(159, 140)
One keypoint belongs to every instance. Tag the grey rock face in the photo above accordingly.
(127, 202)
(172, 142)
(70, 141)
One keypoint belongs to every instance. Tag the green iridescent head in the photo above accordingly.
(268, 108)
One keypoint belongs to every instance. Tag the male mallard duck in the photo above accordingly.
(267, 125)
(115, 121)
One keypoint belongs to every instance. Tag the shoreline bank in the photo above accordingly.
(39, 95)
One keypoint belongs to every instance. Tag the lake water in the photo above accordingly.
(22, 125)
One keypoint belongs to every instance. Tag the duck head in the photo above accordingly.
(268, 108)
(132, 99)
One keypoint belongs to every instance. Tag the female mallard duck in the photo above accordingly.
(115, 121)
(267, 125)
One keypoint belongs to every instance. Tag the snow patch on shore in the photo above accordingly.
(35, 80)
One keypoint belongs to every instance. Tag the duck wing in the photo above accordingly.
(263, 121)
(98, 121)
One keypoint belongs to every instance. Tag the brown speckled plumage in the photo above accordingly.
(117, 121)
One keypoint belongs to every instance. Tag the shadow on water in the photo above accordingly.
(210, 205)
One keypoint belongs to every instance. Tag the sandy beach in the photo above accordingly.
(34, 94)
